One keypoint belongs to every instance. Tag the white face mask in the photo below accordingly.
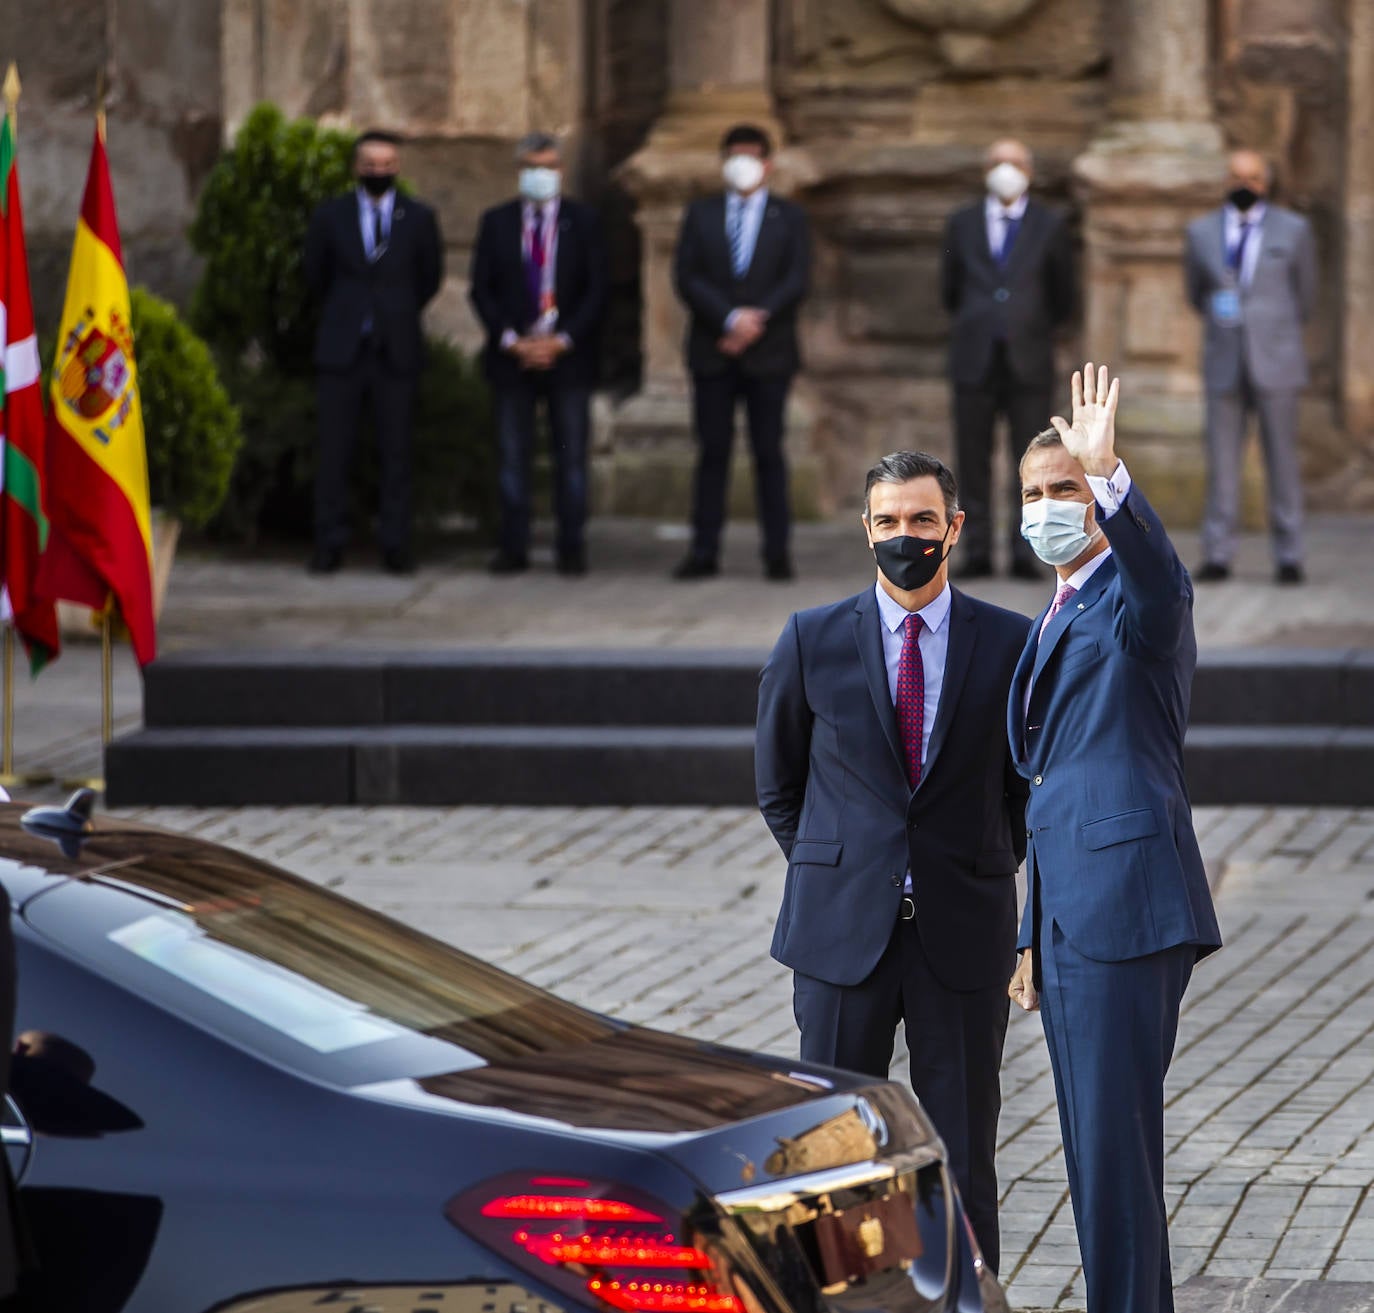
(1007, 182)
(742, 173)
(1057, 530)
(540, 185)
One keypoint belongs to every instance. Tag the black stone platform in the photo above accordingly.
(632, 727)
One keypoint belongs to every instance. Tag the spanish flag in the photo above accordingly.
(23, 518)
(100, 546)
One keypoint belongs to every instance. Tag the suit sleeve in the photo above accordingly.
(429, 273)
(792, 287)
(1192, 273)
(316, 265)
(700, 295)
(1305, 271)
(951, 269)
(782, 739)
(1157, 595)
(481, 281)
(581, 326)
(1061, 290)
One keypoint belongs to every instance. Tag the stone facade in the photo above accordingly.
(883, 108)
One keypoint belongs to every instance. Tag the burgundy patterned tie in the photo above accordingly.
(911, 700)
(1060, 598)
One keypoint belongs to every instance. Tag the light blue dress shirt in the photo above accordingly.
(366, 208)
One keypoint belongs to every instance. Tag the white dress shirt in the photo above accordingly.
(1233, 220)
(996, 214)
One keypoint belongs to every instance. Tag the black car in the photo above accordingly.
(235, 1090)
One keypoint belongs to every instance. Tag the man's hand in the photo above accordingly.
(1091, 438)
(748, 326)
(1021, 991)
(536, 352)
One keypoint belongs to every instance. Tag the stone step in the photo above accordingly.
(624, 765)
(643, 687)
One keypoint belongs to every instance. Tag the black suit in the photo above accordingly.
(369, 344)
(1001, 356)
(775, 281)
(501, 295)
(833, 789)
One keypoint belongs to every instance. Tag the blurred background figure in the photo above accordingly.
(539, 287)
(742, 267)
(1007, 280)
(1251, 272)
(372, 258)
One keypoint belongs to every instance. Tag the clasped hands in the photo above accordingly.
(538, 352)
(748, 327)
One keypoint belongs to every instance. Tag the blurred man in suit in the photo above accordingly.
(742, 266)
(1118, 908)
(1006, 278)
(373, 258)
(539, 287)
(884, 775)
(1251, 270)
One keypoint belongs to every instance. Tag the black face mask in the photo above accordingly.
(377, 184)
(1242, 197)
(910, 563)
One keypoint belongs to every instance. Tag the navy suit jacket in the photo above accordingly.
(1112, 856)
(833, 789)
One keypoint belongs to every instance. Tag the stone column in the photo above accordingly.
(1357, 348)
(1157, 164)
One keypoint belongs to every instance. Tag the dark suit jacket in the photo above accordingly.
(352, 289)
(832, 787)
(776, 281)
(1112, 854)
(500, 290)
(1022, 304)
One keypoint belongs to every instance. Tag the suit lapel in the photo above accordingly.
(716, 235)
(1090, 594)
(1218, 244)
(767, 234)
(1025, 235)
(1016, 701)
(978, 237)
(963, 631)
(869, 640)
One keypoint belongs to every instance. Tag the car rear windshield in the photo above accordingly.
(291, 970)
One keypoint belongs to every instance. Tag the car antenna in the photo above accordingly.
(69, 827)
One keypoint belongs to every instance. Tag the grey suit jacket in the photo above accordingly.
(1273, 308)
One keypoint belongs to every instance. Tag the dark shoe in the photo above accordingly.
(326, 560)
(778, 569)
(976, 567)
(697, 567)
(1211, 572)
(396, 560)
(572, 563)
(1288, 574)
(505, 563)
(1026, 570)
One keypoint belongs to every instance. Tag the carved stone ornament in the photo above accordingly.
(961, 15)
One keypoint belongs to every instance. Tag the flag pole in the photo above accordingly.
(97, 782)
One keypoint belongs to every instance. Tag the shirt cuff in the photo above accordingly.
(509, 338)
(1111, 491)
(731, 320)
(564, 341)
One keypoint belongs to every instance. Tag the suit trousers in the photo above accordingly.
(715, 397)
(1110, 1028)
(1227, 413)
(1027, 408)
(955, 1040)
(569, 414)
(341, 395)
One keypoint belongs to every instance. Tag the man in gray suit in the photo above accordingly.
(1251, 271)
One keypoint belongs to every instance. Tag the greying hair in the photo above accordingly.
(1045, 438)
(534, 143)
(903, 466)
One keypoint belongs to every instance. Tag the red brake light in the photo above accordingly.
(605, 1244)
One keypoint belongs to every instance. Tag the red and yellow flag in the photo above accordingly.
(23, 517)
(101, 544)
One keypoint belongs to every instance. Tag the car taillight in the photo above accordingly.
(608, 1245)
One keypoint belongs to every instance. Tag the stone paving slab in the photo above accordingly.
(663, 916)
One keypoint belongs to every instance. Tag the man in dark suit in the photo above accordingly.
(741, 268)
(1006, 278)
(1118, 908)
(539, 286)
(884, 776)
(373, 258)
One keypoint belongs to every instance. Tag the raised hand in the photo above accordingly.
(1091, 438)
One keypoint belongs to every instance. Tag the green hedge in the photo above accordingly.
(253, 308)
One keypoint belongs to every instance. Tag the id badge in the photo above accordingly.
(1226, 307)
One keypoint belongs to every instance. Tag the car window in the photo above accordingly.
(292, 970)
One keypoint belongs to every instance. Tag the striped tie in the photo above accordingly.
(738, 259)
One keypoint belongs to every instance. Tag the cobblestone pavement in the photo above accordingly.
(663, 916)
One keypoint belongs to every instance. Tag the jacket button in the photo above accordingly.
(896, 881)
(1039, 779)
(1030, 834)
(911, 825)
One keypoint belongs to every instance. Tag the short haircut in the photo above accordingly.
(377, 135)
(746, 134)
(1045, 438)
(536, 143)
(903, 466)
